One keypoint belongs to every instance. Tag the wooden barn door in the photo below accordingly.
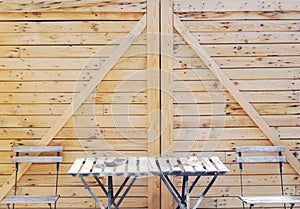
(155, 77)
(84, 75)
(216, 88)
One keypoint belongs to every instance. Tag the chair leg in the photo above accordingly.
(8, 206)
(50, 205)
(292, 205)
(251, 206)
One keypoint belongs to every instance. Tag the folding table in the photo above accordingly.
(186, 167)
(131, 168)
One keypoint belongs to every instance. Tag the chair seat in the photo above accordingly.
(30, 199)
(255, 200)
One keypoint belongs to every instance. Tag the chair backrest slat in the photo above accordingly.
(261, 159)
(30, 149)
(260, 149)
(37, 159)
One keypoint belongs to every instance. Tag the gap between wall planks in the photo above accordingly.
(223, 78)
(80, 98)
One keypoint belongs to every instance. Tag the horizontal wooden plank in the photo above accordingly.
(85, 109)
(233, 121)
(35, 39)
(9, 51)
(272, 108)
(69, 157)
(240, 62)
(68, 75)
(70, 15)
(253, 180)
(243, 85)
(66, 98)
(223, 181)
(258, 62)
(260, 149)
(239, 15)
(242, 37)
(113, 145)
(70, 51)
(72, 86)
(214, 5)
(241, 26)
(80, 191)
(67, 181)
(234, 109)
(140, 121)
(83, 6)
(140, 98)
(214, 145)
(82, 133)
(258, 168)
(38, 149)
(67, 27)
(68, 63)
(221, 97)
(76, 121)
(243, 50)
(218, 133)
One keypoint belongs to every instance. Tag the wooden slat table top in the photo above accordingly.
(191, 166)
(110, 166)
(139, 166)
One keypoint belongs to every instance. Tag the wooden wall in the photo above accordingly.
(51, 50)
(256, 45)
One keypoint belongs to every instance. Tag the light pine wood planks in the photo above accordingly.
(76, 103)
(82, 6)
(257, 46)
(243, 5)
(167, 90)
(214, 67)
(153, 96)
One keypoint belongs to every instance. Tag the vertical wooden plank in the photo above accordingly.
(167, 88)
(153, 93)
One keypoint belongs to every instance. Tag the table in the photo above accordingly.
(134, 167)
(130, 167)
(186, 167)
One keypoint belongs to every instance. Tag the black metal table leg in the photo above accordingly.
(206, 190)
(190, 190)
(126, 191)
(91, 192)
(101, 185)
(173, 186)
(173, 193)
(183, 195)
(110, 192)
